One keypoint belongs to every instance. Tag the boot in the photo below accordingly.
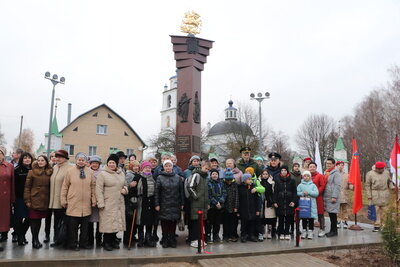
(107, 242)
(140, 242)
(166, 240)
(173, 242)
(35, 227)
(148, 241)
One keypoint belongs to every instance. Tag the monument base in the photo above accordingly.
(356, 227)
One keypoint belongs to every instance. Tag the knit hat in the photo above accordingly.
(81, 155)
(3, 150)
(250, 170)
(285, 167)
(193, 158)
(121, 154)
(307, 173)
(245, 177)
(214, 170)
(62, 153)
(114, 158)
(145, 164)
(228, 174)
(95, 158)
(380, 165)
(167, 161)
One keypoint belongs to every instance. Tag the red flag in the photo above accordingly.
(395, 161)
(355, 178)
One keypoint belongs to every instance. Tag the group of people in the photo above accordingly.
(134, 197)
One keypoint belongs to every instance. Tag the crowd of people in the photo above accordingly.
(125, 195)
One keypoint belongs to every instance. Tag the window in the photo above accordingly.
(95, 114)
(109, 116)
(92, 150)
(126, 134)
(101, 129)
(169, 101)
(69, 149)
(75, 129)
(129, 151)
(113, 150)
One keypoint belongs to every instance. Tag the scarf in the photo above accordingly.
(82, 174)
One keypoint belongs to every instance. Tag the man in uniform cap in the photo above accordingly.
(246, 161)
(274, 165)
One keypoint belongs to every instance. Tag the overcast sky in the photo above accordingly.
(312, 56)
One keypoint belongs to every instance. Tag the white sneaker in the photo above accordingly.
(287, 237)
(339, 225)
(282, 237)
(310, 234)
(345, 225)
(321, 233)
(304, 234)
(194, 244)
(269, 235)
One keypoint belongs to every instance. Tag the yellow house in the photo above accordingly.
(101, 131)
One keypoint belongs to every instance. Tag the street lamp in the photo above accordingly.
(260, 97)
(55, 81)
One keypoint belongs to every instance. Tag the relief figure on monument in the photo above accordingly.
(183, 107)
(196, 109)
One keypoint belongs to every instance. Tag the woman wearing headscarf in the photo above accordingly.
(21, 219)
(78, 197)
(36, 195)
(110, 188)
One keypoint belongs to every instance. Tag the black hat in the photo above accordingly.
(274, 155)
(121, 154)
(214, 170)
(113, 157)
(285, 167)
(245, 149)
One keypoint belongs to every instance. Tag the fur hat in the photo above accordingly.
(114, 158)
(228, 174)
(245, 177)
(193, 158)
(62, 153)
(307, 173)
(250, 170)
(81, 155)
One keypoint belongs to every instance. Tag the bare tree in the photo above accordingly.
(164, 141)
(321, 128)
(27, 141)
(2, 138)
(279, 142)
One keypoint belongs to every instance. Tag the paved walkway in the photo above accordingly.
(123, 257)
(284, 260)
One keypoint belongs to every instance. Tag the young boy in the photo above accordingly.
(231, 207)
(217, 196)
(198, 199)
(249, 208)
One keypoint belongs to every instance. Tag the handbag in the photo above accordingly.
(371, 212)
(305, 207)
(62, 236)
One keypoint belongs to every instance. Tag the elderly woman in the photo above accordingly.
(110, 188)
(21, 219)
(95, 162)
(78, 197)
(7, 196)
(36, 195)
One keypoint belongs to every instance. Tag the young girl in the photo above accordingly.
(217, 196)
(285, 198)
(249, 208)
(308, 189)
(269, 210)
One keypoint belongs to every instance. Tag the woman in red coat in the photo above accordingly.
(319, 180)
(7, 192)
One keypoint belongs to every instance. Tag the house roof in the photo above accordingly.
(107, 107)
(340, 144)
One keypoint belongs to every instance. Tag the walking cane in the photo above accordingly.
(132, 226)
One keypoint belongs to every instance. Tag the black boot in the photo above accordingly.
(140, 242)
(165, 242)
(107, 242)
(148, 241)
(14, 237)
(35, 227)
(173, 242)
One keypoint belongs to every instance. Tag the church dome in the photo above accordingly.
(229, 126)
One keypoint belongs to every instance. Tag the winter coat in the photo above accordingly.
(56, 182)
(37, 187)
(344, 190)
(145, 199)
(221, 173)
(319, 180)
(332, 190)
(20, 174)
(269, 209)
(249, 203)
(251, 163)
(313, 193)
(176, 169)
(216, 192)
(131, 199)
(274, 171)
(188, 171)
(7, 194)
(377, 186)
(297, 177)
(78, 194)
(237, 174)
(110, 201)
(257, 184)
(285, 193)
(94, 217)
(169, 196)
(198, 190)
(232, 198)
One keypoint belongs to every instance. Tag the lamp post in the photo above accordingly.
(54, 81)
(260, 97)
